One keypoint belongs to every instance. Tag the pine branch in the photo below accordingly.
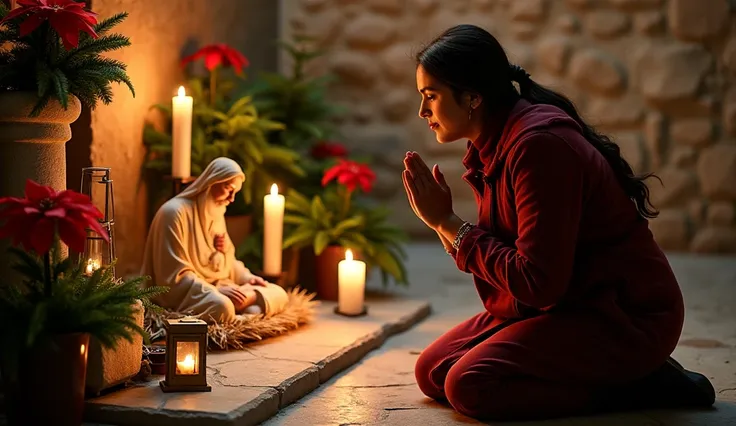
(96, 46)
(107, 24)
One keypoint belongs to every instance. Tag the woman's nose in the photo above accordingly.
(423, 112)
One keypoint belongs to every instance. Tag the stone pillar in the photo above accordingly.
(32, 148)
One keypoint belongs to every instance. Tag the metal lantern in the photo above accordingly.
(186, 356)
(97, 185)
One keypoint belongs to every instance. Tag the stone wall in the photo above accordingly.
(161, 32)
(659, 76)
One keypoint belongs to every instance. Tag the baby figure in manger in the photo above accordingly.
(188, 249)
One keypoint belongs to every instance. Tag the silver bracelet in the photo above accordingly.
(464, 228)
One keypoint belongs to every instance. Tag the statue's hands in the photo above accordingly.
(254, 280)
(241, 298)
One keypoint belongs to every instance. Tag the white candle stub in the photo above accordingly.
(181, 135)
(273, 232)
(351, 285)
(186, 366)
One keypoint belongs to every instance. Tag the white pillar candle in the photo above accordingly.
(351, 285)
(181, 135)
(273, 232)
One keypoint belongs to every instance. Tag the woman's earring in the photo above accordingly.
(470, 114)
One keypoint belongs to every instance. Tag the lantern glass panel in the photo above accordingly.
(187, 358)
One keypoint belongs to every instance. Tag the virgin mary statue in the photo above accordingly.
(188, 249)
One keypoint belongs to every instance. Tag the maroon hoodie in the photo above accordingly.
(557, 231)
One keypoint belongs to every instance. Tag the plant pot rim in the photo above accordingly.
(16, 105)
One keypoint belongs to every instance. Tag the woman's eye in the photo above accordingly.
(430, 97)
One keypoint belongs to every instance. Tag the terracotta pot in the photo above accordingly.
(50, 385)
(32, 148)
(325, 271)
(239, 227)
(290, 265)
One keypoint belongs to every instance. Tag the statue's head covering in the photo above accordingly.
(221, 169)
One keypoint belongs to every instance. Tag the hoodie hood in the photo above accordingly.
(489, 151)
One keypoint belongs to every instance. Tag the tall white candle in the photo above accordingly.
(181, 135)
(351, 285)
(273, 232)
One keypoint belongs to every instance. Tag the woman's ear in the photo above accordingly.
(472, 100)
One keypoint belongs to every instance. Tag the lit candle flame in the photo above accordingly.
(348, 254)
(81, 349)
(182, 93)
(274, 189)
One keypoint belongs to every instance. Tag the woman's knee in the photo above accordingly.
(471, 394)
(426, 374)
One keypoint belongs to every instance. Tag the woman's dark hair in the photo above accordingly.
(469, 59)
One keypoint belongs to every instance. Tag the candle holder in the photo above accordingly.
(97, 185)
(362, 313)
(178, 184)
(186, 356)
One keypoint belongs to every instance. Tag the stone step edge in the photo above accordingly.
(272, 400)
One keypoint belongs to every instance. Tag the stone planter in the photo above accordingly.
(110, 367)
(32, 148)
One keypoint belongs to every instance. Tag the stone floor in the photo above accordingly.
(381, 388)
(250, 386)
(359, 375)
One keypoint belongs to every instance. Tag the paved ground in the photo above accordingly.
(381, 388)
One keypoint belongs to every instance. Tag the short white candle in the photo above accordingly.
(181, 135)
(351, 285)
(273, 232)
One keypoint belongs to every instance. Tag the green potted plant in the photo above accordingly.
(296, 100)
(333, 221)
(48, 316)
(225, 123)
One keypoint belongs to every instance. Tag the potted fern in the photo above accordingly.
(226, 123)
(333, 221)
(48, 315)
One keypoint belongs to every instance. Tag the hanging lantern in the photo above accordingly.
(97, 185)
(186, 356)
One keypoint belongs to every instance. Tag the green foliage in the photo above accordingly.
(325, 220)
(296, 100)
(38, 62)
(98, 304)
(227, 128)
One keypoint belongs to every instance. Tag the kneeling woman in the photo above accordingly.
(579, 299)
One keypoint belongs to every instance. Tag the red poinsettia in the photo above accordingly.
(325, 149)
(34, 220)
(216, 54)
(350, 174)
(66, 17)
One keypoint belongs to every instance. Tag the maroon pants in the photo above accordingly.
(548, 366)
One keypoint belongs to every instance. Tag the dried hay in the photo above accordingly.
(246, 328)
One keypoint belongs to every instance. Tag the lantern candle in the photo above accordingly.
(273, 211)
(92, 266)
(181, 134)
(186, 366)
(351, 285)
